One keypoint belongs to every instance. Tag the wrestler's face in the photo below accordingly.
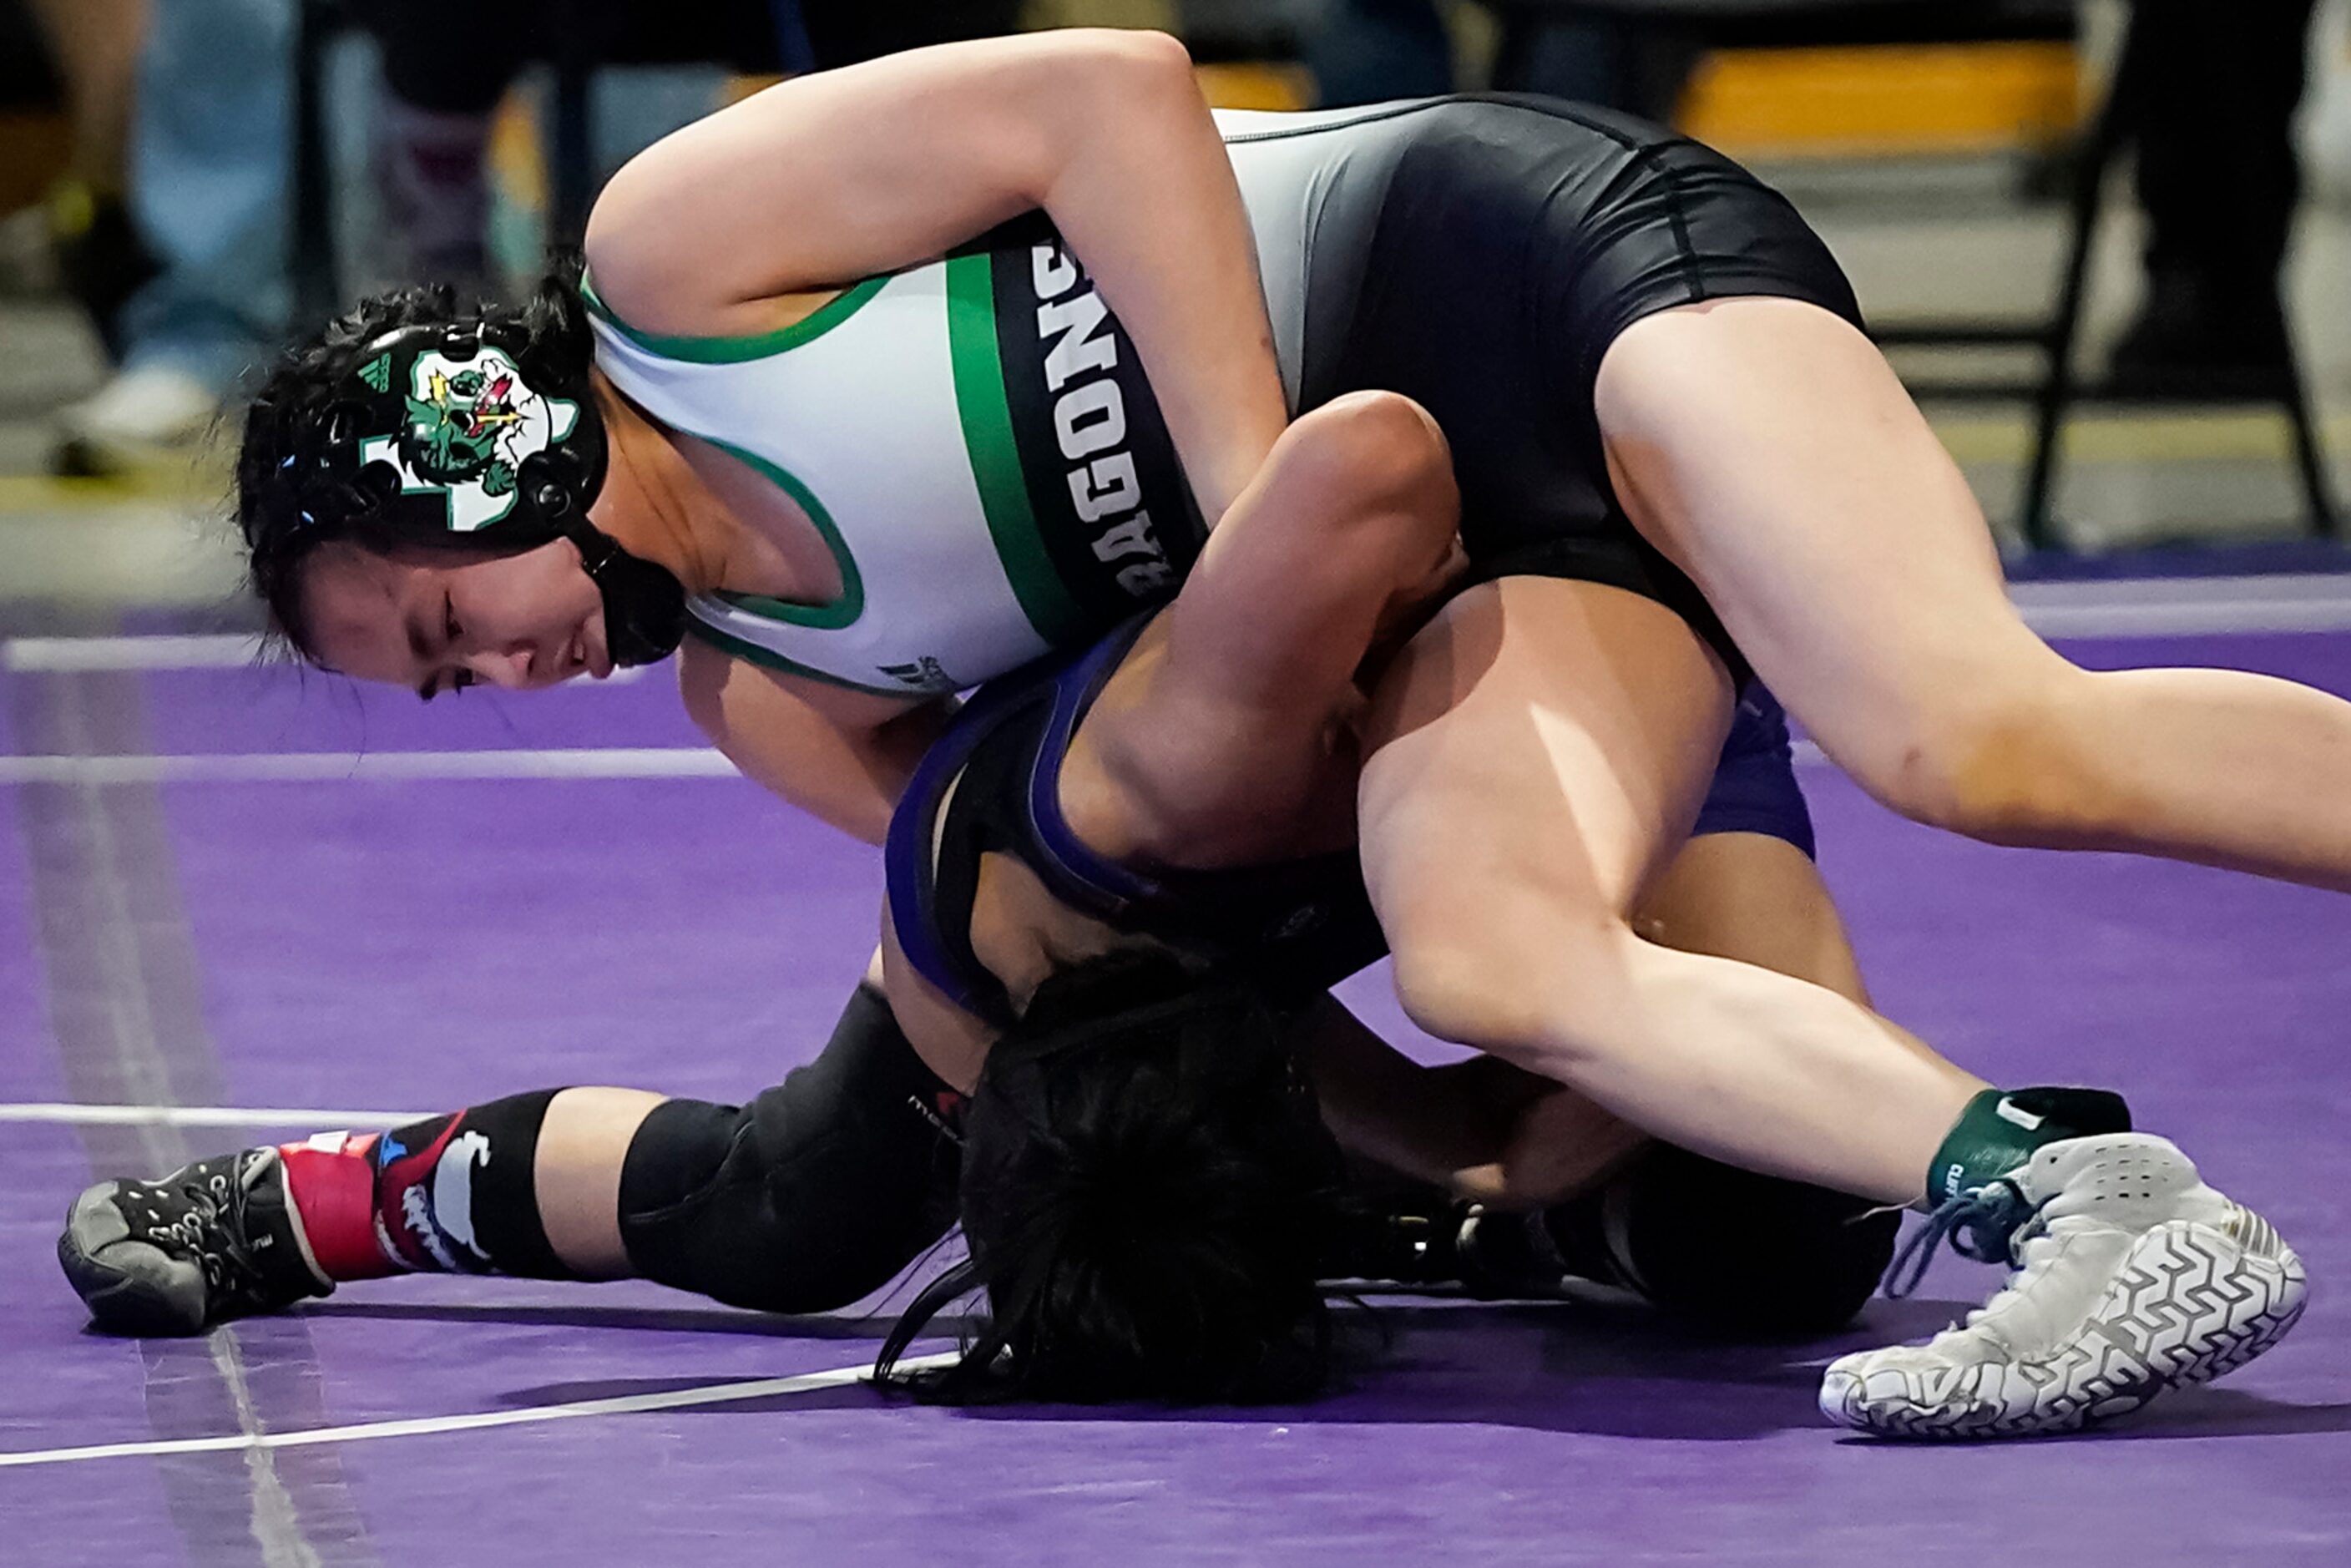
(434, 622)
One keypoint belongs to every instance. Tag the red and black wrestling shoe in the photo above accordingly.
(214, 1240)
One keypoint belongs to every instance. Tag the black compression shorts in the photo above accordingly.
(1513, 239)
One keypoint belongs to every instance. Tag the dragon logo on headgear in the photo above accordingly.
(468, 426)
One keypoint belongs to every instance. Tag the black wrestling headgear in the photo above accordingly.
(438, 434)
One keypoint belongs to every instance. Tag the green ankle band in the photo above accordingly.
(2001, 1129)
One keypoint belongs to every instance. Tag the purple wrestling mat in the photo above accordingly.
(261, 929)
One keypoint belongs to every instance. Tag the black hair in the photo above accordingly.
(1147, 1187)
(287, 507)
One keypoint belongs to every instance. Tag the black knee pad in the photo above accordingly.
(679, 1154)
(694, 1209)
(815, 1194)
(1729, 1250)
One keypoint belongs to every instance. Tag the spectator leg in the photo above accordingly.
(432, 171)
(95, 43)
(2219, 181)
(209, 174)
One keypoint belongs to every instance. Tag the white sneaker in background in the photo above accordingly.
(2132, 1278)
(28, 262)
(2325, 136)
(146, 416)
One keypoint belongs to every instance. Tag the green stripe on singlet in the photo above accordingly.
(842, 611)
(987, 418)
(740, 350)
(830, 617)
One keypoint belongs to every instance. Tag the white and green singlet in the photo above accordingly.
(974, 438)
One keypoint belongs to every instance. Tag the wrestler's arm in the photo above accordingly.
(1756, 898)
(1250, 675)
(842, 756)
(849, 173)
(1453, 1126)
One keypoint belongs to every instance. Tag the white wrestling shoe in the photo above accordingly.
(2132, 1278)
(151, 419)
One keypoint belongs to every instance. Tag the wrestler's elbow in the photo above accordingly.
(1383, 449)
(1385, 475)
(1109, 74)
(1131, 57)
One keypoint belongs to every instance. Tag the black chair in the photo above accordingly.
(2056, 390)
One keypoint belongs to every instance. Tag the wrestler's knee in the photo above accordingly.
(2005, 759)
(1528, 982)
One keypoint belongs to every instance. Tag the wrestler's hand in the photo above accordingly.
(1558, 1144)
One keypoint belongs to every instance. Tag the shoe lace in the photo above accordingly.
(2030, 1250)
(213, 1230)
(1990, 1224)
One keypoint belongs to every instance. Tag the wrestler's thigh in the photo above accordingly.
(1766, 447)
(1532, 758)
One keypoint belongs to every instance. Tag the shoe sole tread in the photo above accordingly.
(121, 1299)
(2187, 1304)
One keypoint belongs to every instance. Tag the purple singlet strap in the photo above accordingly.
(1072, 869)
(908, 872)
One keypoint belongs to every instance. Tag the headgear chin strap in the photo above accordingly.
(440, 437)
(645, 604)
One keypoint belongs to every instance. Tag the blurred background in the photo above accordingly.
(2105, 239)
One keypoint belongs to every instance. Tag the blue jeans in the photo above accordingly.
(211, 145)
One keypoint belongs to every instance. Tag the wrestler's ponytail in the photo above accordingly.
(555, 317)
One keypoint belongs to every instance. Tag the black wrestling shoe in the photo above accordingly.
(1397, 1247)
(1490, 1255)
(214, 1240)
(1505, 1255)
